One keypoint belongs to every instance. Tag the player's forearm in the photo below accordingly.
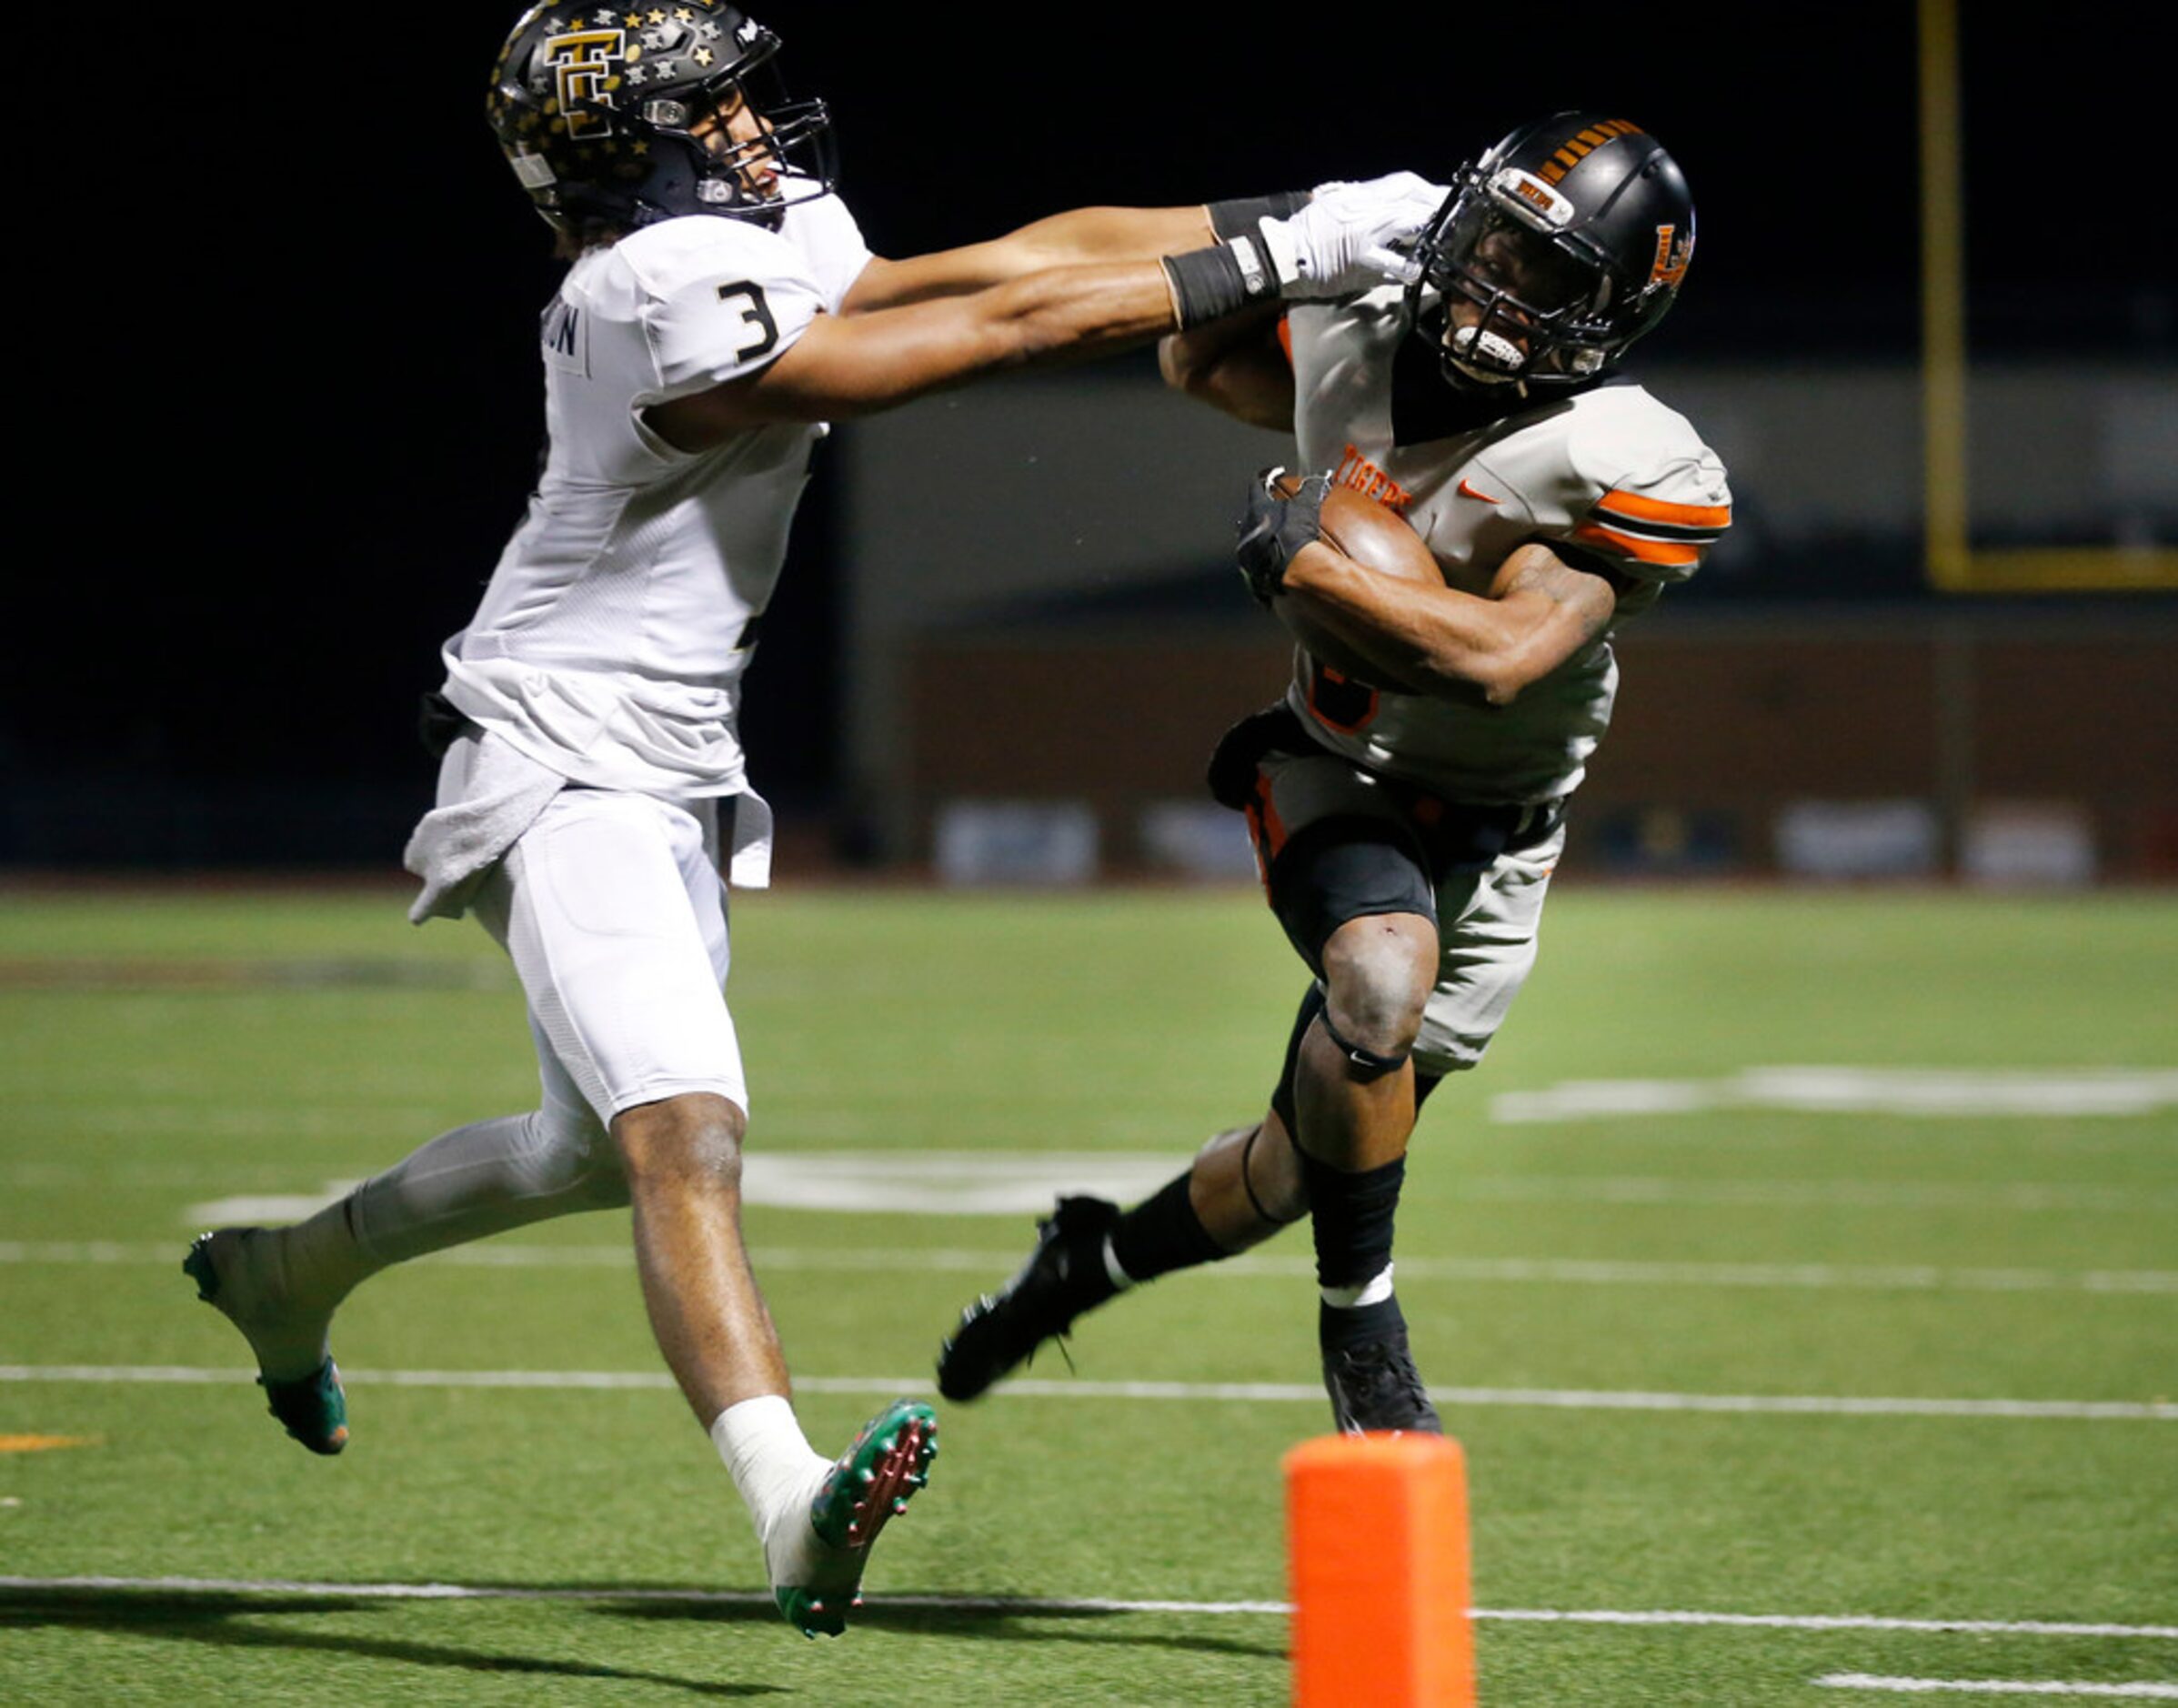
(1087, 234)
(1440, 638)
(1074, 312)
(875, 362)
(1082, 236)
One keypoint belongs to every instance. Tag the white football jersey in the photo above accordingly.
(1609, 473)
(612, 639)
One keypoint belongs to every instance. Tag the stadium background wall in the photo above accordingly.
(1725, 725)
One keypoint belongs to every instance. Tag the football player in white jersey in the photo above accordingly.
(1407, 815)
(719, 308)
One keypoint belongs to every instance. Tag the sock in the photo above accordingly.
(1352, 1217)
(287, 1335)
(768, 1457)
(1336, 1328)
(318, 1260)
(1161, 1234)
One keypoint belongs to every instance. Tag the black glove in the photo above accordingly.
(1274, 528)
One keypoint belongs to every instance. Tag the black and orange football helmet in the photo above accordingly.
(1571, 235)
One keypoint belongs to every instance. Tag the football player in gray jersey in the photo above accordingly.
(718, 309)
(1408, 808)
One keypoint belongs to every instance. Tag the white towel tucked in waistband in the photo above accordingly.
(490, 793)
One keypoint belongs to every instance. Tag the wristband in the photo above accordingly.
(1208, 283)
(1237, 216)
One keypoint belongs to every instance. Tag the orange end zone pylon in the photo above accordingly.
(1375, 1529)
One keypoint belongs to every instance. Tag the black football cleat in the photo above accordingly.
(1374, 1385)
(1063, 1276)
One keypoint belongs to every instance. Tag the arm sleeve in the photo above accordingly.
(723, 303)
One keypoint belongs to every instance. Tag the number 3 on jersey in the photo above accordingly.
(756, 312)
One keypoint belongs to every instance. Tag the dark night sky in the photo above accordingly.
(331, 417)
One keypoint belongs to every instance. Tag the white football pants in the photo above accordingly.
(613, 910)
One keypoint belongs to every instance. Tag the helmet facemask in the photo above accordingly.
(1541, 298)
(791, 159)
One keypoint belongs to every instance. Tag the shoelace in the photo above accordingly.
(1381, 1367)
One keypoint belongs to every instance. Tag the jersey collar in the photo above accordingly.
(1424, 408)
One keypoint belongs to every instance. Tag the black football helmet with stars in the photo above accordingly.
(1571, 235)
(593, 106)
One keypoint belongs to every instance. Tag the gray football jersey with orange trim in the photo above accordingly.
(1610, 473)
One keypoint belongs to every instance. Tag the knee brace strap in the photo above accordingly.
(1353, 1052)
(1248, 1186)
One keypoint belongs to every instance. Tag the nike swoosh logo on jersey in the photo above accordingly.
(1469, 490)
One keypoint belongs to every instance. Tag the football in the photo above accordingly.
(1371, 535)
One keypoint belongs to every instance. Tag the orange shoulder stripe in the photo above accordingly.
(1644, 550)
(1636, 506)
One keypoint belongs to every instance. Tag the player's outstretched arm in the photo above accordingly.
(1540, 611)
(847, 366)
(1341, 236)
(841, 366)
(1076, 238)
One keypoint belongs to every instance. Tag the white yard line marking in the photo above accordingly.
(1562, 1399)
(1670, 1190)
(160, 1107)
(1921, 1092)
(1997, 1687)
(1620, 1399)
(1661, 1191)
(1846, 1621)
(1027, 1604)
(1577, 1271)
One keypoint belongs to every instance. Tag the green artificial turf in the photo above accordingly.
(160, 1051)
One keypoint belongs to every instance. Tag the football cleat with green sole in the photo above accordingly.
(868, 1485)
(313, 1409)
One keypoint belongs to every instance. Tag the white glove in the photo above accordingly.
(1351, 236)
